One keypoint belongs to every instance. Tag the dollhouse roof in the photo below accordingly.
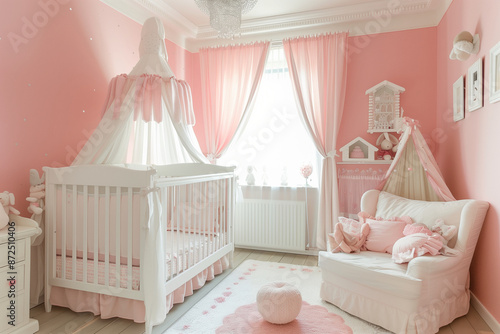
(370, 146)
(385, 83)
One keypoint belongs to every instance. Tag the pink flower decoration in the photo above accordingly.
(213, 306)
(204, 312)
(227, 293)
(306, 170)
(220, 300)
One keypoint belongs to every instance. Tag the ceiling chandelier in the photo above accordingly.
(225, 15)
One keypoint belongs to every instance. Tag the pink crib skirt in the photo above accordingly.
(109, 306)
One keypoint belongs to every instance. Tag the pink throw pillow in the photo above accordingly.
(384, 232)
(417, 244)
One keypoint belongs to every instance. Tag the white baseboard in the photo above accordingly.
(483, 312)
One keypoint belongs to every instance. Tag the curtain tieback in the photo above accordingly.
(332, 154)
(212, 158)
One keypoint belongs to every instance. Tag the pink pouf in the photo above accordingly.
(279, 302)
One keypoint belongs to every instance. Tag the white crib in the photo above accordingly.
(136, 232)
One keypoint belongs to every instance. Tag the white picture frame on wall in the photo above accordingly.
(458, 100)
(475, 86)
(495, 73)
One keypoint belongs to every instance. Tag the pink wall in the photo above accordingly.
(405, 58)
(468, 150)
(56, 63)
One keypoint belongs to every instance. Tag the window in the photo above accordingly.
(274, 141)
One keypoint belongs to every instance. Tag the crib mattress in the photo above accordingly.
(188, 254)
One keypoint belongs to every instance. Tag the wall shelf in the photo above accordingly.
(367, 162)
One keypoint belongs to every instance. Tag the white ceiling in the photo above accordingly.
(186, 25)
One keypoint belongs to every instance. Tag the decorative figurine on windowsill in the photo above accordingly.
(250, 177)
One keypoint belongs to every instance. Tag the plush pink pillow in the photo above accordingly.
(417, 244)
(383, 234)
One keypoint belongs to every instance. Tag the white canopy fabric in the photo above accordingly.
(149, 115)
(414, 173)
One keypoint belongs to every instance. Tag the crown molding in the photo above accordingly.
(366, 19)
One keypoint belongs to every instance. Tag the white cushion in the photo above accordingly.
(390, 205)
(377, 270)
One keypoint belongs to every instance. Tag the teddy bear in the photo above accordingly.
(388, 146)
(7, 200)
(37, 192)
(464, 45)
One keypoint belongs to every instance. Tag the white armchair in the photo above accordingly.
(417, 297)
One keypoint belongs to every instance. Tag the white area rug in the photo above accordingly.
(240, 288)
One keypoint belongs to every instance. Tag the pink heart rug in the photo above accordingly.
(311, 319)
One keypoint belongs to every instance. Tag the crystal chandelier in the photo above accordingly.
(225, 15)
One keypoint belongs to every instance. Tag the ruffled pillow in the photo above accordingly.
(420, 240)
(349, 236)
(384, 232)
(416, 244)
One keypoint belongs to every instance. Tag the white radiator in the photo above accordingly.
(264, 224)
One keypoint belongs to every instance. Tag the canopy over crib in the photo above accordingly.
(148, 116)
(414, 173)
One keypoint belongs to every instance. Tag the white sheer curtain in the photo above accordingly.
(318, 69)
(275, 144)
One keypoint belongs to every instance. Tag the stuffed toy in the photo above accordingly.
(388, 145)
(464, 45)
(250, 177)
(348, 236)
(37, 192)
(7, 200)
(447, 232)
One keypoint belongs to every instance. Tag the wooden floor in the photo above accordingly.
(62, 320)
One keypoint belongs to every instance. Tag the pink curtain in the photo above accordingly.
(318, 69)
(230, 77)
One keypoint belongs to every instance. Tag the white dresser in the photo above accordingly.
(15, 255)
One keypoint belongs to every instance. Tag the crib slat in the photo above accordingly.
(178, 220)
(85, 231)
(117, 241)
(172, 233)
(63, 232)
(199, 223)
(96, 234)
(73, 257)
(129, 246)
(164, 222)
(106, 236)
(143, 217)
(190, 258)
(183, 249)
